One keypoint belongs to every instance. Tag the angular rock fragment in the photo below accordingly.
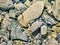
(48, 19)
(43, 29)
(33, 12)
(5, 4)
(15, 30)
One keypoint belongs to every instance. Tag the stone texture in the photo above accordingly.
(6, 4)
(33, 12)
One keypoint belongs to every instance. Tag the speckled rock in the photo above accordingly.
(33, 12)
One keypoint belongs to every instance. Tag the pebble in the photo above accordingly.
(56, 10)
(48, 19)
(28, 3)
(43, 29)
(20, 6)
(37, 24)
(51, 42)
(6, 4)
(33, 12)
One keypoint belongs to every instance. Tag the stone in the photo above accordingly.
(56, 10)
(48, 19)
(50, 42)
(1, 17)
(33, 12)
(3, 43)
(28, 3)
(16, 30)
(43, 29)
(6, 4)
(10, 43)
(37, 24)
(58, 38)
(5, 22)
(20, 6)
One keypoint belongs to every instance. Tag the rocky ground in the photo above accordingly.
(29, 22)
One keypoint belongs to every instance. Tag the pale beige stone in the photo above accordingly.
(33, 12)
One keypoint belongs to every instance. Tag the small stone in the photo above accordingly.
(3, 43)
(28, 3)
(5, 4)
(1, 17)
(48, 19)
(33, 12)
(53, 34)
(20, 6)
(58, 38)
(37, 24)
(56, 10)
(52, 42)
(43, 30)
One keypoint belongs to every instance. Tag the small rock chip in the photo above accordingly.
(33, 12)
(43, 30)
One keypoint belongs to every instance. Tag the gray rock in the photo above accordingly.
(48, 19)
(15, 30)
(58, 38)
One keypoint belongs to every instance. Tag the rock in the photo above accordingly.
(1, 17)
(10, 43)
(24, 37)
(6, 4)
(51, 42)
(33, 12)
(20, 6)
(58, 38)
(28, 3)
(48, 19)
(43, 29)
(5, 22)
(3, 43)
(16, 30)
(37, 24)
(56, 10)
